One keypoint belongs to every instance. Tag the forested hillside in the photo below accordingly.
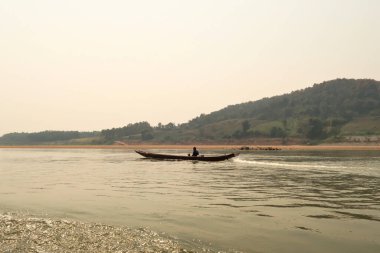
(327, 110)
(332, 111)
(341, 98)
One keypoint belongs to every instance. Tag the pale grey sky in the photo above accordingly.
(91, 64)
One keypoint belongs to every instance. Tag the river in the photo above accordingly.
(277, 201)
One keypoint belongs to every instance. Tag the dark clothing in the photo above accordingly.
(195, 152)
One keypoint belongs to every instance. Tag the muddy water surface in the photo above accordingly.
(287, 201)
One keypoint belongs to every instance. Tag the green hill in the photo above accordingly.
(341, 98)
(332, 111)
(327, 112)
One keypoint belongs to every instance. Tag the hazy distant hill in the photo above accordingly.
(341, 98)
(333, 111)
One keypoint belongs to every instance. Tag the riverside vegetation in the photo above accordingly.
(340, 110)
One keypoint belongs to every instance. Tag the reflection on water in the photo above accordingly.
(259, 202)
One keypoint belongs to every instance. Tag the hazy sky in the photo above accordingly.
(90, 65)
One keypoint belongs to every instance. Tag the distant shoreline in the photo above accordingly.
(204, 147)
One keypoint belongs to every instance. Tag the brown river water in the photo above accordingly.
(278, 201)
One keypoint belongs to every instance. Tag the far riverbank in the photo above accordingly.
(204, 147)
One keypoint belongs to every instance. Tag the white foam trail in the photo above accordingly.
(239, 160)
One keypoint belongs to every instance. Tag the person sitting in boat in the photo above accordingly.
(195, 152)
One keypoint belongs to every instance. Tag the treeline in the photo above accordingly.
(141, 131)
(43, 137)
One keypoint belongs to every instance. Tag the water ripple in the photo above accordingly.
(286, 193)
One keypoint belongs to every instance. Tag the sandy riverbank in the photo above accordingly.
(204, 147)
(24, 233)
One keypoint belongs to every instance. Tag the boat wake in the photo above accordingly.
(279, 164)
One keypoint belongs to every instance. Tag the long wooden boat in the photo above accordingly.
(187, 157)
